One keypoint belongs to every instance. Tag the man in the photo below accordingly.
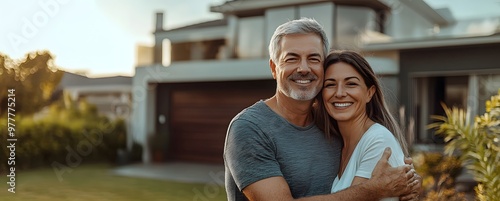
(274, 151)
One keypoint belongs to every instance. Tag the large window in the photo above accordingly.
(351, 23)
(429, 94)
(251, 38)
(467, 92)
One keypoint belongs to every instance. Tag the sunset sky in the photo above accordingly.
(100, 36)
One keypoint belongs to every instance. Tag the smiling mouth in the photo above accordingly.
(303, 78)
(342, 104)
(303, 81)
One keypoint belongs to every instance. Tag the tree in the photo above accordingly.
(478, 144)
(34, 79)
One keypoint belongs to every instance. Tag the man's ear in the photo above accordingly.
(272, 65)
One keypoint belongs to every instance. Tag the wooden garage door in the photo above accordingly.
(201, 112)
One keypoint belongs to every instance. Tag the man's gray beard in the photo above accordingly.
(301, 95)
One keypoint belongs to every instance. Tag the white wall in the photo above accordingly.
(143, 105)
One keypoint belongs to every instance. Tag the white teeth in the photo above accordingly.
(303, 81)
(342, 104)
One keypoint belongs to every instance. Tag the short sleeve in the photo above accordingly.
(249, 154)
(372, 149)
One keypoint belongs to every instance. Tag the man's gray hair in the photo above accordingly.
(300, 26)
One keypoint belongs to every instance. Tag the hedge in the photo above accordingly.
(67, 136)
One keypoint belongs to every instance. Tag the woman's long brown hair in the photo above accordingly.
(376, 109)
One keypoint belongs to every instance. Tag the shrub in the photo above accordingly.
(438, 174)
(477, 143)
(65, 128)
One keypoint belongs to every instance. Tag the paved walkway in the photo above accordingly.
(175, 171)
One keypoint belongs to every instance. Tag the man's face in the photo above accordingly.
(299, 69)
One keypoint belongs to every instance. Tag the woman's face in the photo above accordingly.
(345, 93)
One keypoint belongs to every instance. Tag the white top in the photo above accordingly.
(367, 153)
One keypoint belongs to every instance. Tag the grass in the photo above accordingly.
(94, 182)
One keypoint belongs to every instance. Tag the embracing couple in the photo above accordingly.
(325, 135)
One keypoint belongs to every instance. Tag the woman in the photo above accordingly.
(352, 105)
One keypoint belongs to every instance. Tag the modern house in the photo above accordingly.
(423, 56)
(112, 96)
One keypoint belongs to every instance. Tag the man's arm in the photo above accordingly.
(386, 181)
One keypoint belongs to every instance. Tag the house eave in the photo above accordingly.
(205, 71)
(188, 35)
(427, 12)
(242, 6)
(432, 43)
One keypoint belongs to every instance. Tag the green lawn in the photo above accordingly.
(94, 182)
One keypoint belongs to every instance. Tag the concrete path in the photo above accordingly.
(175, 171)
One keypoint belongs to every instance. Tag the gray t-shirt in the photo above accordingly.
(261, 144)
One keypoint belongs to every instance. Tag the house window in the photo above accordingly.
(352, 22)
(429, 94)
(251, 38)
(488, 86)
(197, 50)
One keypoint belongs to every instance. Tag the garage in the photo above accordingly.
(199, 113)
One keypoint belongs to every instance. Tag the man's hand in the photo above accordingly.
(392, 181)
(416, 185)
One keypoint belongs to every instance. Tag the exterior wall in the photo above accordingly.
(228, 51)
(390, 88)
(143, 110)
(387, 70)
(386, 65)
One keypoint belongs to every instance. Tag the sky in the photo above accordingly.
(99, 37)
